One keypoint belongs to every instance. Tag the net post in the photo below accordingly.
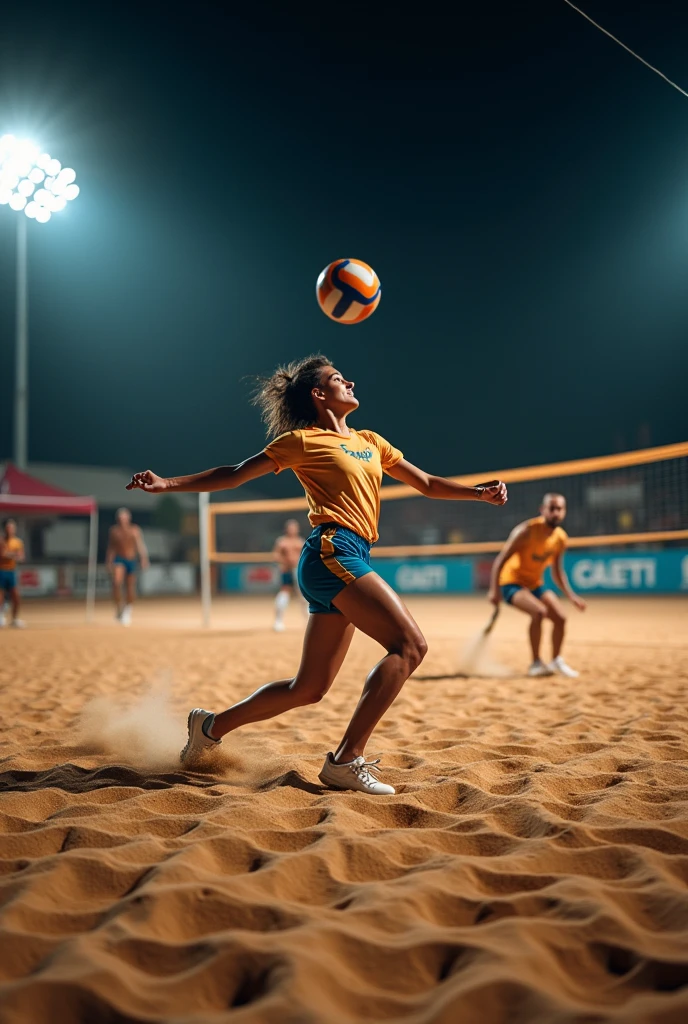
(203, 536)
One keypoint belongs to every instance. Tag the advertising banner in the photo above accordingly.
(174, 578)
(37, 581)
(439, 576)
(79, 579)
(252, 578)
(159, 579)
(631, 572)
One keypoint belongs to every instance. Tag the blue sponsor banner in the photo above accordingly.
(630, 572)
(439, 576)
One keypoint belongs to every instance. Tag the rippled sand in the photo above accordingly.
(532, 866)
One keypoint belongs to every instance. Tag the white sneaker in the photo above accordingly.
(538, 668)
(20, 624)
(561, 668)
(358, 774)
(125, 617)
(198, 743)
(278, 626)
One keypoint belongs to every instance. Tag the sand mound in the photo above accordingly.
(532, 867)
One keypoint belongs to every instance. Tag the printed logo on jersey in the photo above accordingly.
(365, 456)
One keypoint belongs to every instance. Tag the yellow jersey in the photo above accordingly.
(537, 549)
(13, 547)
(340, 475)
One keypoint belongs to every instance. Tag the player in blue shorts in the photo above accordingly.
(287, 551)
(305, 406)
(518, 578)
(125, 548)
(11, 552)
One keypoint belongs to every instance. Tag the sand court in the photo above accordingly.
(532, 866)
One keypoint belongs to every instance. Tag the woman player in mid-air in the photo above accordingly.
(305, 406)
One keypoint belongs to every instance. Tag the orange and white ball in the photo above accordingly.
(348, 291)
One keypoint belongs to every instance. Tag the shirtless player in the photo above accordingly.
(125, 547)
(517, 578)
(287, 551)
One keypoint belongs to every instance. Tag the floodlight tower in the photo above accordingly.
(38, 185)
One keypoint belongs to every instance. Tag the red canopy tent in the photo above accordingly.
(22, 494)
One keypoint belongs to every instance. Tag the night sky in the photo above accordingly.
(519, 183)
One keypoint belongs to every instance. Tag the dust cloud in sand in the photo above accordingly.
(476, 658)
(141, 731)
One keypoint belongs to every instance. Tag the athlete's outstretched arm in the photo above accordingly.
(514, 541)
(221, 478)
(494, 491)
(562, 581)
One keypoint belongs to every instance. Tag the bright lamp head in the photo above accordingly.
(23, 166)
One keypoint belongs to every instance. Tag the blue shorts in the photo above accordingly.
(509, 589)
(288, 579)
(8, 579)
(331, 558)
(128, 563)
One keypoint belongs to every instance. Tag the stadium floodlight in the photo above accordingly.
(36, 185)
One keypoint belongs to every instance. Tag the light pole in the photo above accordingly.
(38, 185)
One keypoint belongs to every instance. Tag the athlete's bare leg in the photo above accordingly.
(131, 587)
(14, 600)
(281, 603)
(325, 645)
(556, 613)
(117, 580)
(372, 605)
(531, 605)
(374, 608)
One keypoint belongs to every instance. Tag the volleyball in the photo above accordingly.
(348, 291)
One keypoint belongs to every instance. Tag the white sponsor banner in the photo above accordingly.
(79, 579)
(176, 578)
(66, 539)
(616, 496)
(37, 581)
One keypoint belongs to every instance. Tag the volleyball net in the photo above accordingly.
(637, 497)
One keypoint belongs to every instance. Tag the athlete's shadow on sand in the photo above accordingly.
(444, 675)
(73, 779)
(459, 675)
(70, 778)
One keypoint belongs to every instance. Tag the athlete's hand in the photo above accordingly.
(495, 596)
(494, 492)
(148, 481)
(578, 603)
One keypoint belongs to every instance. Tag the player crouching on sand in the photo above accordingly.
(517, 577)
(305, 406)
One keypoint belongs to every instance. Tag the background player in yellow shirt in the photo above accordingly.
(517, 577)
(305, 406)
(11, 552)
